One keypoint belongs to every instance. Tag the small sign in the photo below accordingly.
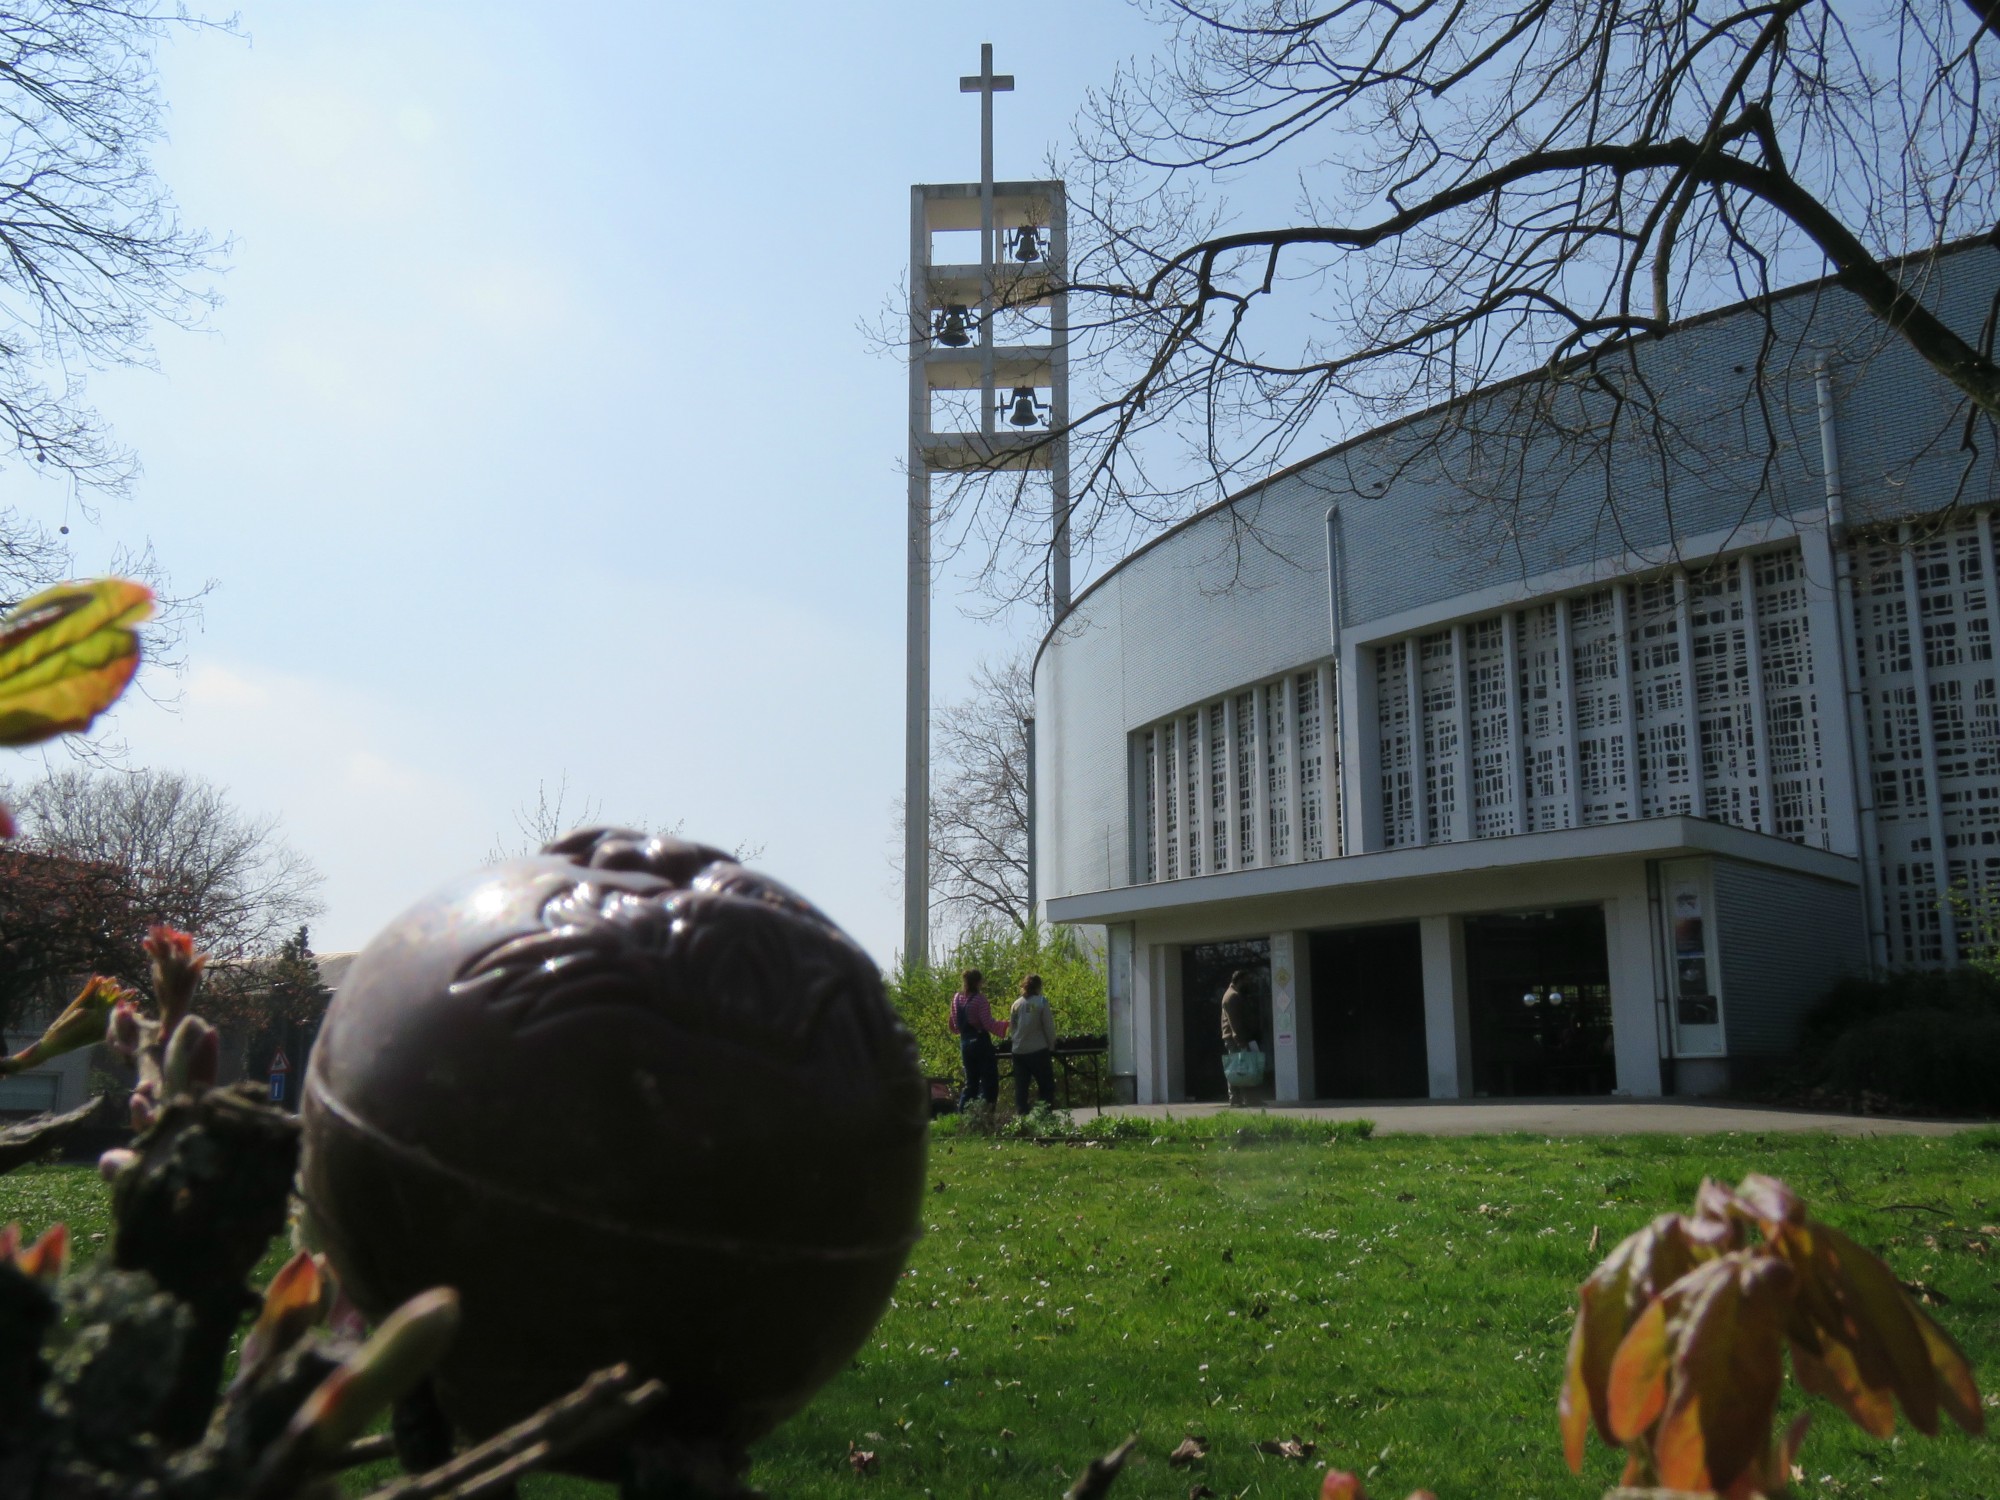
(281, 1067)
(280, 1063)
(277, 1088)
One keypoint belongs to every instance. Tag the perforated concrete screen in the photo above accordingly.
(1576, 710)
(1934, 775)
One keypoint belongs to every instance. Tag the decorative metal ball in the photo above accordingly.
(636, 1103)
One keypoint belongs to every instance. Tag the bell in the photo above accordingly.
(1027, 244)
(1022, 404)
(950, 329)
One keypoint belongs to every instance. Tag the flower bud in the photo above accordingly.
(176, 971)
(405, 1349)
(193, 1055)
(81, 1024)
(116, 1162)
(124, 1033)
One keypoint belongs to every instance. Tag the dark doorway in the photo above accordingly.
(1540, 993)
(1368, 1014)
(1205, 971)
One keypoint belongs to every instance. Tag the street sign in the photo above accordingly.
(281, 1067)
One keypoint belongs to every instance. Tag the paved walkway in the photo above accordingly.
(1573, 1117)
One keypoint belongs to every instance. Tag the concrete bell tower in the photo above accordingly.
(989, 393)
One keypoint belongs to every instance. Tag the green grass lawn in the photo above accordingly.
(1402, 1303)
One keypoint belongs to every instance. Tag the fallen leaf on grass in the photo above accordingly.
(1290, 1448)
(1406, 1197)
(1006, 1434)
(862, 1460)
(1191, 1448)
(1926, 1293)
(1200, 1492)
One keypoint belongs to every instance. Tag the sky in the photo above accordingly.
(537, 438)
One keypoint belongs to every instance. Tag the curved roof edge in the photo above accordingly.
(1804, 288)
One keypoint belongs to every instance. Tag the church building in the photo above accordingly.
(1515, 765)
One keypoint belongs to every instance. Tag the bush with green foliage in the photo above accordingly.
(1071, 979)
(1921, 1038)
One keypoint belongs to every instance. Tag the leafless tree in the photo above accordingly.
(979, 799)
(196, 860)
(549, 817)
(1485, 189)
(92, 251)
(542, 822)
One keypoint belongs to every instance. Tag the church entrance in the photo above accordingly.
(1205, 971)
(1368, 1014)
(1540, 999)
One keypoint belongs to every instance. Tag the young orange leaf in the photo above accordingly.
(1826, 1368)
(66, 655)
(1641, 1267)
(1728, 1365)
(295, 1300)
(1638, 1385)
(1956, 1392)
(44, 1259)
(1877, 1320)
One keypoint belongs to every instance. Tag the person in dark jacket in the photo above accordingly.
(972, 1021)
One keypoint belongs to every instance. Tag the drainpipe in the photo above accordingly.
(1857, 713)
(1349, 829)
(1663, 980)
(1028, 734)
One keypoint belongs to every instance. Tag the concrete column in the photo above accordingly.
(1447, 1017)
(1150, 1086)
(1120, 970)
(1171, 1057)
(1628, 945)
(1291, 1017)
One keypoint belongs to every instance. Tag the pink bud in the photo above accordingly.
(144, 1111)
(123, 1034)
(116, 1162)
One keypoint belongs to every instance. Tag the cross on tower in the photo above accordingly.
(986, 85)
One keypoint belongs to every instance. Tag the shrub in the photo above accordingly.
(1945, 1059)
(1075, 988)
(1928, 1038)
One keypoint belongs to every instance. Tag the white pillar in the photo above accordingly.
(1121, 1039)
(1291, 1017)
(1628, 952)
(1447, 1013)
(1171, 1057)
(1150, 1085)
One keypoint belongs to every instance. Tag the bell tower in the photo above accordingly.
(989, 394)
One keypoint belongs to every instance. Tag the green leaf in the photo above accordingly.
(66, 655)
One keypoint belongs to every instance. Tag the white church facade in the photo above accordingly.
(1594, 792)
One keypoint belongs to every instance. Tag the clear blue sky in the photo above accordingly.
(536, 434)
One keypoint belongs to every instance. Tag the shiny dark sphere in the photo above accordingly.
(635, 1103)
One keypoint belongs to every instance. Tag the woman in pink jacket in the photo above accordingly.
(972, 1021)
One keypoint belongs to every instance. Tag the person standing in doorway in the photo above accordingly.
(1034, 1028)
(972, 1021)
(1235, 1026)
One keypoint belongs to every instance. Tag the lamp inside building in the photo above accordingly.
(1027, 244)
(1022, 409)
